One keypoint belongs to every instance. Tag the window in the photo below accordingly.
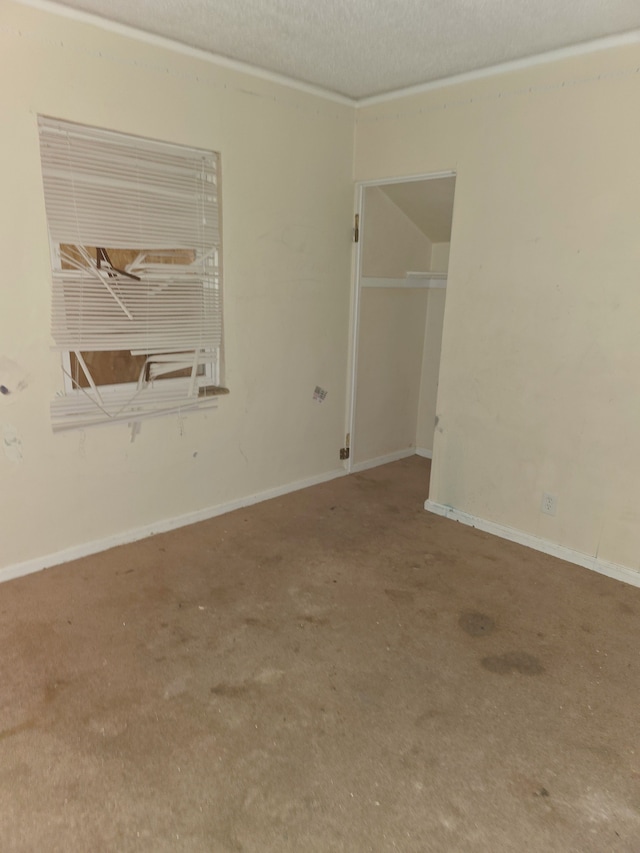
(136, 274)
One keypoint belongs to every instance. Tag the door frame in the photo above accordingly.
(356, 288)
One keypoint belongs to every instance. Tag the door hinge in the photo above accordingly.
(344, 453)
(356, 229)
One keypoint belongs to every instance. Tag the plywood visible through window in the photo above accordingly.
(114, 367)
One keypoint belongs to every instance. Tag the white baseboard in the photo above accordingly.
(382, 460)
(603, 567)
(95, 546)
(422, 451)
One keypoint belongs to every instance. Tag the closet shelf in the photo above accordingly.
(431, 280)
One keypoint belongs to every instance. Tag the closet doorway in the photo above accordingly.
(400, 292)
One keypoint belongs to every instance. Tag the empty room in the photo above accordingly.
(319, 404)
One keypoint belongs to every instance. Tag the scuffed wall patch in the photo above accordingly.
(11, 443)
(12, 380)
(319, 394)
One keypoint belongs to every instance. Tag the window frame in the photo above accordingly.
(173, 394)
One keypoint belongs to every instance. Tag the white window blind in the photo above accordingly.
(106, 192)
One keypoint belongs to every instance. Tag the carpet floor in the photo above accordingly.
(333, 670)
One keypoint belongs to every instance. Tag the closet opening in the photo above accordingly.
(399, 302)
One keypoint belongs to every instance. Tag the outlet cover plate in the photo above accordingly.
(549, 504)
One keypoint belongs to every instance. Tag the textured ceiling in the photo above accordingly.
(361, 48)
(428, 204)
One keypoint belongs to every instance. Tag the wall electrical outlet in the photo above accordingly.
(549, 504)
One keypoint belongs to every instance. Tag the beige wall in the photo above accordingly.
(429, 373)
(431, 352)
(391, 244)
(392, 326)
(440, 257)
(287, 202)
(539, 380)
(539, 386)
